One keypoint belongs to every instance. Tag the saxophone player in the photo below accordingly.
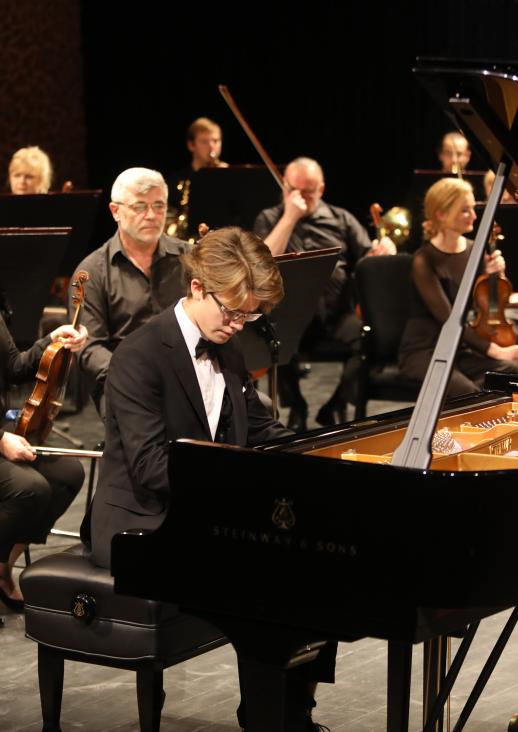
(203, 140)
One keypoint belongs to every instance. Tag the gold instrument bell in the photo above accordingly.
(396, 223)
(177, 218)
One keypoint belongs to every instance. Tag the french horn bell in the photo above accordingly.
(396, 223)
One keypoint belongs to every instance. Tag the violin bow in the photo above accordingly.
(227, 96)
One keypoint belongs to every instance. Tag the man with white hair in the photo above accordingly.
(136, 274)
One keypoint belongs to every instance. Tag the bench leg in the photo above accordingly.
(150, 698)
(51, 668)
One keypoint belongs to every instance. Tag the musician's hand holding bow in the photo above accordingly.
(16, 447)
(70, 337)
(494, 263)
(383, 246)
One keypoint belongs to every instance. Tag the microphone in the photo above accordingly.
(265, 327)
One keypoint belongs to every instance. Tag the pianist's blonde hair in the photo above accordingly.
(236, 263)
(443, 197)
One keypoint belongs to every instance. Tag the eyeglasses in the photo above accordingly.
(140, 207)
(235, 315)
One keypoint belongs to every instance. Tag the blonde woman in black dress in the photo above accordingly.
(437, 269)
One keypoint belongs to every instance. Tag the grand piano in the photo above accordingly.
(399, 526)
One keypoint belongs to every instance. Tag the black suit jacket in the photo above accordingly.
(152, 398)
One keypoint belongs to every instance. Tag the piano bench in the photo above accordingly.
(73, 613)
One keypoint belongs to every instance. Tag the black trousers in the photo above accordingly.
(468, 373)
(32, 496)
(299, 701)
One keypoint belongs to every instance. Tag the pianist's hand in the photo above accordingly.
(504, 353)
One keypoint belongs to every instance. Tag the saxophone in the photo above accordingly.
(177, 219)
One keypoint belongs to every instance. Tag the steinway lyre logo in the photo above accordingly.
(283, 516)
(78, 608)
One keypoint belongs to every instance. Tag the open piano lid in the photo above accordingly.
(483, 103)
(492, 92)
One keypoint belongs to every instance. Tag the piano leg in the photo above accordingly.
(150, 696)
(433, 675)
(398, 685)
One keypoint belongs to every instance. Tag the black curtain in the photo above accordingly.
(332, 80)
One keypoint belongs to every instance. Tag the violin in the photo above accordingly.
(43, 405)
(490, 297)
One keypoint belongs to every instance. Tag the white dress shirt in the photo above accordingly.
(210, 378)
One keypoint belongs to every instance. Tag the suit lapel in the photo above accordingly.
(234, 384)
(181, 363)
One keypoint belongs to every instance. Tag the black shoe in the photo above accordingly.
(310, 727)
(16, 606)
(297, 419)
(330, 414)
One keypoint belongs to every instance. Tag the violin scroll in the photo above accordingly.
(78, 294)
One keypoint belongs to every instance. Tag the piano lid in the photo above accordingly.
(483, 102)
(481, 98)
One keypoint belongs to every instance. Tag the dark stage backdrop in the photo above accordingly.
(331, 80)
(41, 85)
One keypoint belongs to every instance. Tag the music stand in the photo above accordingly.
(30, 258)
(76, 209)
(230, 196)
(272, 341)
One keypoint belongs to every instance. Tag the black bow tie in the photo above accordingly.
(206, 347)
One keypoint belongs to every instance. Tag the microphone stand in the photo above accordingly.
(268, 332)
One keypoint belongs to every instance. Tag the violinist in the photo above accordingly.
(34, 492)
(302, 222)
(437, 269)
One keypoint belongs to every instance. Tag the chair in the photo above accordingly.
(383, 285)
(73, 612)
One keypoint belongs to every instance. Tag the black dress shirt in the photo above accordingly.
(119, 298)
(327, 226)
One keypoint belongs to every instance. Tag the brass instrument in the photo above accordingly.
(177, 219)
(215, 162)
(396, 223)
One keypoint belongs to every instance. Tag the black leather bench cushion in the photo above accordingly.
(123, 627)
(52, 583)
